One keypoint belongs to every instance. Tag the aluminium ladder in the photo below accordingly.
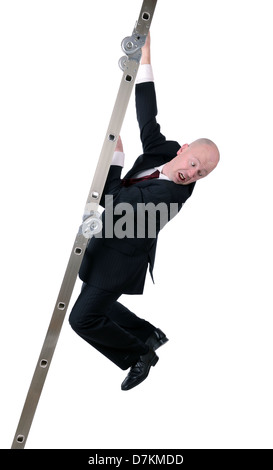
(92, 223)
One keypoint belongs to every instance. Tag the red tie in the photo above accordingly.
(129, 181)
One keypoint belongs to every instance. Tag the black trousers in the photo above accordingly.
(110, 327)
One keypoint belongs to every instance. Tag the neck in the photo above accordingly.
(165, 169)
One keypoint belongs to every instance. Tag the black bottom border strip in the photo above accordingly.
(125, 458)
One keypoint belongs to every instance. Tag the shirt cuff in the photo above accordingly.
(118, 159)
(145, 74)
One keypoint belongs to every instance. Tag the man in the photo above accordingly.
(114, 264)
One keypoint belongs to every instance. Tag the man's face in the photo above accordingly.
(192, 163)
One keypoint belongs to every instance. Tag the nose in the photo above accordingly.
(192, 173)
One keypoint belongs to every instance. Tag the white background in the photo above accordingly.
(212, 61)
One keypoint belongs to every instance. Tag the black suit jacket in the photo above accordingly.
(120, 264)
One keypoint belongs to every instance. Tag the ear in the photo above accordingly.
(184, 147)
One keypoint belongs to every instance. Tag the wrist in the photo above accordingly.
(146, 58)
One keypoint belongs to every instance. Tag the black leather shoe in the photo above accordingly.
(140, 370)
(157, 339)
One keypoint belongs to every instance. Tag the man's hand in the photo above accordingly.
(146, 50)
(119, 146)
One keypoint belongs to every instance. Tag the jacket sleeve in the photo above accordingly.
(112, 182)
(146, 109)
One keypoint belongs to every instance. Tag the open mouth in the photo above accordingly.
(181, 176)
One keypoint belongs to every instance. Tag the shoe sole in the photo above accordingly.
(154, 361)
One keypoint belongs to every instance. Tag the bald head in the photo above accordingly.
(193, 162)
(208, 147)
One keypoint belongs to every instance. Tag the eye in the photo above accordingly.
(192, 164)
